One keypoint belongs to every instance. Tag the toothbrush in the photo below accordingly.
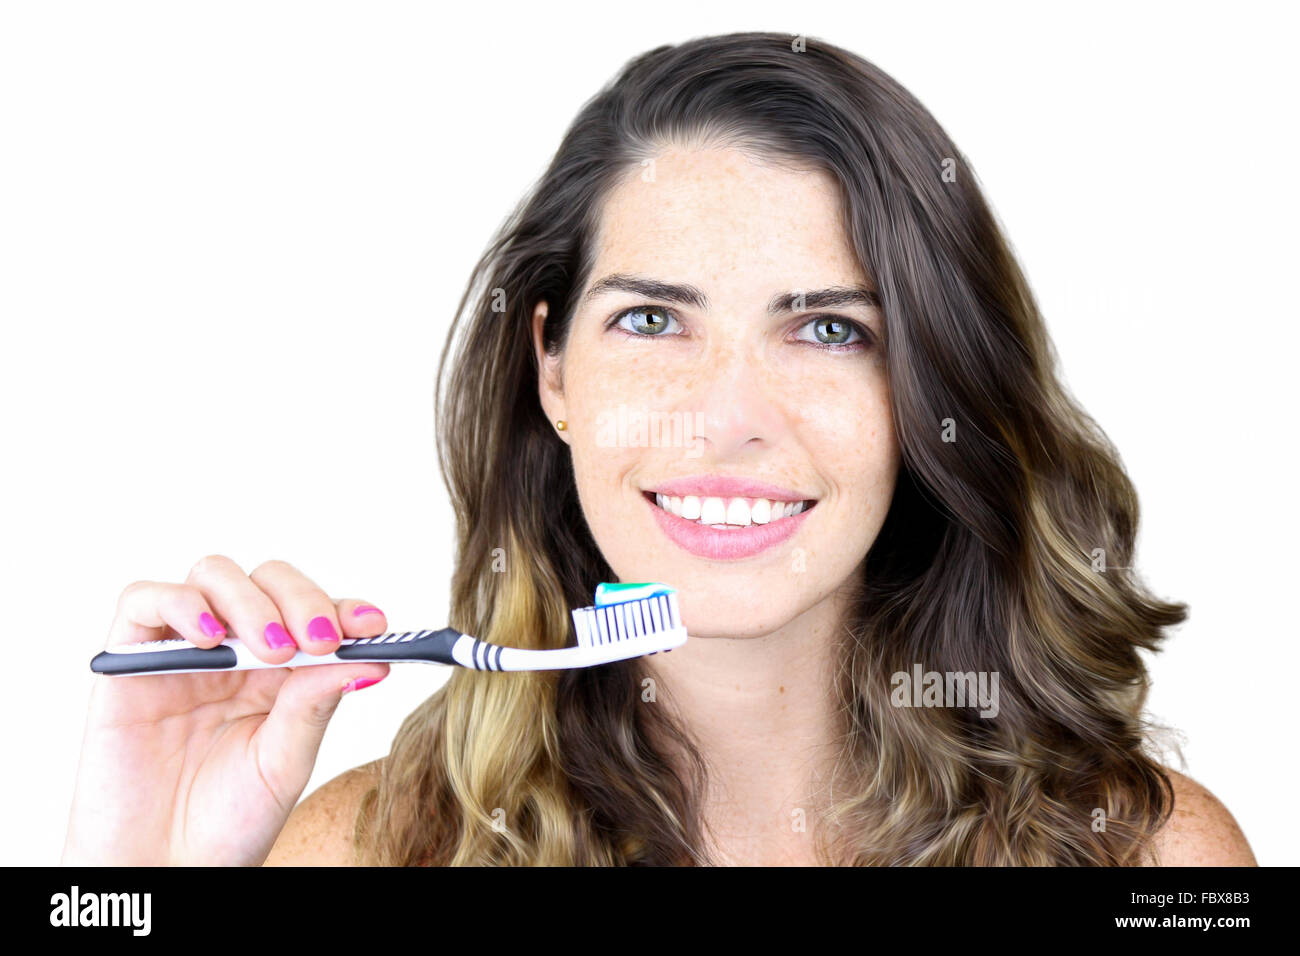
(628, 620)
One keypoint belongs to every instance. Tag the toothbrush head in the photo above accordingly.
(644, 615)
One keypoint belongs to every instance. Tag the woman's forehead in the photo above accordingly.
(715, 218)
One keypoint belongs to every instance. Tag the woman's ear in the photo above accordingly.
(550, 380)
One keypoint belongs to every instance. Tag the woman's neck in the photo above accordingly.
(764, 714)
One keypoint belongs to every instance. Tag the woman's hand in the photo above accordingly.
(204, 769)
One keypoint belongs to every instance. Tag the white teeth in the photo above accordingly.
(713, 511)
(729, 512)
(738, 512)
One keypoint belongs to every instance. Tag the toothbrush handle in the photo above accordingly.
(182, 657)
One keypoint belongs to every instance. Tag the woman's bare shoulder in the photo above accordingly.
(319, 830)
(1201, 831)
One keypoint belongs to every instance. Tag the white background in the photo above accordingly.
(232, 236)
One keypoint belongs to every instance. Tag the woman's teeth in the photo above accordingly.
(732, 512)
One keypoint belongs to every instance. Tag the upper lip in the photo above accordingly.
(723, 486)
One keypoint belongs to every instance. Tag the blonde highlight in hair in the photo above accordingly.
(983, 565)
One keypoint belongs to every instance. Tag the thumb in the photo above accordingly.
(290, 736)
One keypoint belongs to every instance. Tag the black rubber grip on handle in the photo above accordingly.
(434, 648)
(148, 662)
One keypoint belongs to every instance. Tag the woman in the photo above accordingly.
(776, 246)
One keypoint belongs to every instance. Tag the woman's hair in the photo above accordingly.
(1008, 547)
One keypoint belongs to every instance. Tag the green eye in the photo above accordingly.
(832, 330)
(658, 321)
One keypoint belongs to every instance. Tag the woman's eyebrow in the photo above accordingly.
(836, 296)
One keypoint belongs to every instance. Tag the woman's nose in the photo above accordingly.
(733, 401)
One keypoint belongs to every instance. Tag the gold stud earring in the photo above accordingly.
(560, 424)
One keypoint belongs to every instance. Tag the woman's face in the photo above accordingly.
(735, 384)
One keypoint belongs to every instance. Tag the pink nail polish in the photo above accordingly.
(322, 629)
(359, 682)
(365, 609)
(210, 626)
(277, 636)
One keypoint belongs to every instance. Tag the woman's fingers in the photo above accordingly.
(147, 609)
(274, 611)
(360, 618)
(253, 615)
(289, 739)
(309, 613)
(286, 745)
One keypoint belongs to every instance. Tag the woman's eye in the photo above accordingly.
(654, 322)
(831, 331)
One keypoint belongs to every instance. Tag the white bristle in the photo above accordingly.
(582, 625)
(611, 623)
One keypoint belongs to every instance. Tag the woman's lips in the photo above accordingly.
(727, 544)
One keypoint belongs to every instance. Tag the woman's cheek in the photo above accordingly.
(842, 406)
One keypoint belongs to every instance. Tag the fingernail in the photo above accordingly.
(365, 609)
(359, 682)
(322, 629)
(277, 636)
(210, 626)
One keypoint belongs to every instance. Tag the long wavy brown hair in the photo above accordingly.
(990, 558)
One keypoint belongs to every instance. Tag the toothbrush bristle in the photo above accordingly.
(628, 620)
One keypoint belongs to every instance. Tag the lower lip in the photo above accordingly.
(705, 542)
